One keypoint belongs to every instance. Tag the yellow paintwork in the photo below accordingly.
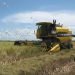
(64, 30)
(64, 39)
(56, 48)
(61, 30)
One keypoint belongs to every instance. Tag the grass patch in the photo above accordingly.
(28, 60)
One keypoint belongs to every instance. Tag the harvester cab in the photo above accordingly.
(54, 36)
(46, 28)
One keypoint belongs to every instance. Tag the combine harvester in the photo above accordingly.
(54, 36)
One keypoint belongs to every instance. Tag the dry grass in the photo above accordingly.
(30, 60)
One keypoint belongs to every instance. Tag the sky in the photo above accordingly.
(18, 17)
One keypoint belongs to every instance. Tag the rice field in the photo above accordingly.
(27, 59)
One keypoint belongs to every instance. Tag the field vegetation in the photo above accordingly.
(31, 60)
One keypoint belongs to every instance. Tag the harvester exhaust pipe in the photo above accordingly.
(53, 27)
(54, 21)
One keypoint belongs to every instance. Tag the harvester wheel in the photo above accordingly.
(69, 46)
(44, 46)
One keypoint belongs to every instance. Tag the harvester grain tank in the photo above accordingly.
(54, 36)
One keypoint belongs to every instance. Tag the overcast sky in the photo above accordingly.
(18, 17)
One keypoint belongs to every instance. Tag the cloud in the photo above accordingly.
(18, 34)
(36, 16)
(65, 18)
